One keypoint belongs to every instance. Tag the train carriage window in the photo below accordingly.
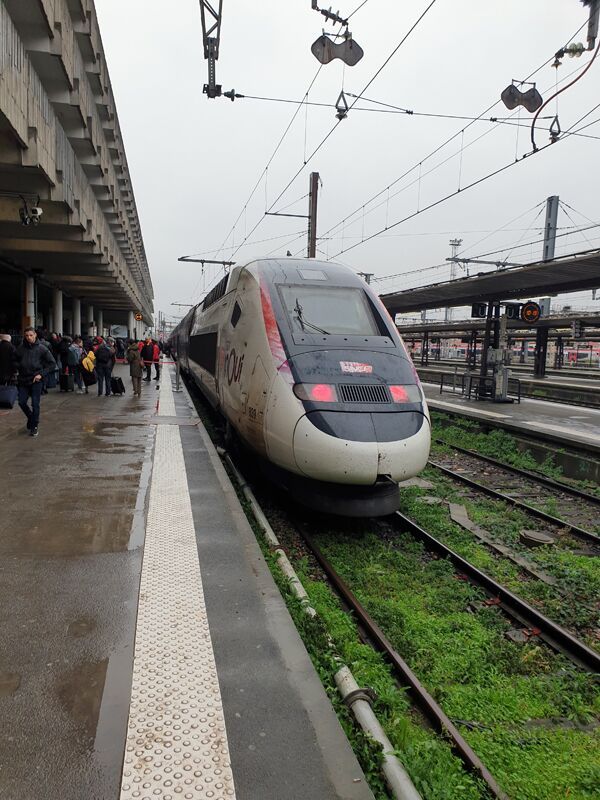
(236, 314)
(203, 350)
(332, 310)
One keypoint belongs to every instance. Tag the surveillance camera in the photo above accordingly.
(36, 211)
(24, 216)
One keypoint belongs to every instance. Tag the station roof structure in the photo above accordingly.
(566, 274)
(558, 322)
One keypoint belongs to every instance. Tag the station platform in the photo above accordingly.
(553, 381)
(567, 425)
(147, 652)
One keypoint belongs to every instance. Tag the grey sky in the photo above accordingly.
(194, 161)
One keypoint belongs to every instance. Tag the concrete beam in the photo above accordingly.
(26, 245)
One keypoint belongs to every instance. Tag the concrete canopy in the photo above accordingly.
(61, 150)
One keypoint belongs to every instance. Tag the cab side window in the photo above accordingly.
(235, 314)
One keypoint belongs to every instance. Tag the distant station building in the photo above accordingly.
(72, 257)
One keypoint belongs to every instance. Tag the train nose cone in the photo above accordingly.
(328, 458)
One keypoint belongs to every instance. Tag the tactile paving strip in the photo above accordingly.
(176, 740)
(166, 405)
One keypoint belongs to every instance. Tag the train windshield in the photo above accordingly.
(336, 310)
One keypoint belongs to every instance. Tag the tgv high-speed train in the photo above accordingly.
(305, 364)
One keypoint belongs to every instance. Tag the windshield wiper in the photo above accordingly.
(304, 322)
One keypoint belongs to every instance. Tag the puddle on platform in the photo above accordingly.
(81, 627)
(94, 530)
(80, 692)
(9, 683)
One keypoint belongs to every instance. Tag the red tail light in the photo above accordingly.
(317, 392)
(405, 394)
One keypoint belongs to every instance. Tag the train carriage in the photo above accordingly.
(305, 364)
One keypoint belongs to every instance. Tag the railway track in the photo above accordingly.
(572, 512)
(492, 605)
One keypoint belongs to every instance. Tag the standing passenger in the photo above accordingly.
(156, 359)
(104, 364)
(74, 360)
(148, 357)
(136, 366)
(34, 363)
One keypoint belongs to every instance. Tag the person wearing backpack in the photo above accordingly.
(104, 364)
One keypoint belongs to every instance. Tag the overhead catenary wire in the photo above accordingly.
(559, 92)
(443, 199)
(335, 126)
(385, 190)
(446, 142)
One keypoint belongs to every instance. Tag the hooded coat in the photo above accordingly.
(134, 360)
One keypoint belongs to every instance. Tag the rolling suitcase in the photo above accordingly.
(8, 396)
(117, 386)
(67, 382)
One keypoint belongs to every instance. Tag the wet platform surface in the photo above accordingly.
(75, 518)
(70, 556)
(568, 425)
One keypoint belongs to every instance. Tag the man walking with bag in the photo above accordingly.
(34, 362)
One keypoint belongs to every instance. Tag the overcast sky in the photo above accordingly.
(194, 161)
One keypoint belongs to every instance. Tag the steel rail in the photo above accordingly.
(553, 634)
(525, 473)
(575, 530)
(426, 702)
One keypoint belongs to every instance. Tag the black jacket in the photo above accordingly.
(33, 359)
(8, 365)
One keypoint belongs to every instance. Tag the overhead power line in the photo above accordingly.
(460, 190)
(326, 137)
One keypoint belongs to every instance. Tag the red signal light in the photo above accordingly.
(317, 392)
(405, 394)
(399, 394)
(322, 393)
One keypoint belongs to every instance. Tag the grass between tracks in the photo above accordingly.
(480, 678)
(435, 771)
(574, 603)
(503, 446)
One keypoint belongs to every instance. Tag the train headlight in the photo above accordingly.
(405, 394)
(317, 392)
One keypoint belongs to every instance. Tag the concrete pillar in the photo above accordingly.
(77, 316)
(29, 318)
(57, 309)
(50, 318)
(90, 321)
(100, 321)
(131, 325)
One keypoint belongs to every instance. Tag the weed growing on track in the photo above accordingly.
(500, 445)
(575, 606)
(480, 678)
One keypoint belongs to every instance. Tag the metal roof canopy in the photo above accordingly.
(456, 327)
(567, 274)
